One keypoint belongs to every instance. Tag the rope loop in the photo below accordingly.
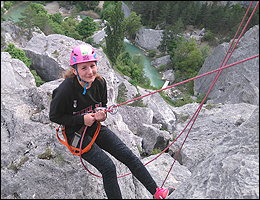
(112, 109)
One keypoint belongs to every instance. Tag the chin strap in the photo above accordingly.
(84, 92)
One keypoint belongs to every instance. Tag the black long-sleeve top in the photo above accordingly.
(69, 105)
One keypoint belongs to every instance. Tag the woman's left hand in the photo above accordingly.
(100, 116)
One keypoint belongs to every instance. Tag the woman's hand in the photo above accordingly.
(100, 116)
(89, 119)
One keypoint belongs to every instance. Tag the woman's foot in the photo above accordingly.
(163, 193)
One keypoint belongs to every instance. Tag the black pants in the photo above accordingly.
(109, 141)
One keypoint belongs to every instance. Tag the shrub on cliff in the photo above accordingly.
(20, 54)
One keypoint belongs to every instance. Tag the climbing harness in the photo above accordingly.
(114, 108)
(74, 149)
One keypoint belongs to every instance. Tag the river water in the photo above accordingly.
(15, 13)
(150, 71)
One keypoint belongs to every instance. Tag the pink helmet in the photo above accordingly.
(82, 53)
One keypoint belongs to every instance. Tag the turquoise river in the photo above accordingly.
(150, 71)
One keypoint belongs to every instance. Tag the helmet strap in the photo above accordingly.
(84, 92)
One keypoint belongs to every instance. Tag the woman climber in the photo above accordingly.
(74, 105)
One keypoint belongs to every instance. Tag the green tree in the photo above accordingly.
(133, 24)
(205, 52)
(108, 8)
(171, 33)
(69, 25)
(86, 27)
(115, 31)
(56, 17)
(27, 21)
(38, 8)
(8, 5)
(172, 46)
(41, 20)
(92, 4)
(187, 57)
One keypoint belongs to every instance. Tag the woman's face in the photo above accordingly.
(87, 71)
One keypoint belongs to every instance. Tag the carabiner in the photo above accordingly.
(113, 108)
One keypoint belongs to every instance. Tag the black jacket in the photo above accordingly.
(69, 105)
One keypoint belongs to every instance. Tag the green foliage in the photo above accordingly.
(139, 149)
(133, 68)
(209, 106)
(8, 5)
(166, 98)
(161, 68)
(186, 99)
(171, 37)
(108, 8)
(86, 27)
(138, 102)
(122, 94)
(221, 20)
(151, 52)
(187, 58)
(2, 15)
(90, 40)
(133, 24)
(56, 17)
(200, 98)
(183, 117)
(156, 151)
(115, 31)
(210, 38)
(27, 20)
(205, 52)
(172, 46)
(18, 54)
(69, 25)
(38, 8)
(15, 166)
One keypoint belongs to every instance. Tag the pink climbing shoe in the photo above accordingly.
(163, 193)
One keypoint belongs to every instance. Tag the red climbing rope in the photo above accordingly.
(214, 81)
(111, 108)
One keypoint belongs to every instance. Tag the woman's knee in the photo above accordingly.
(108, 168)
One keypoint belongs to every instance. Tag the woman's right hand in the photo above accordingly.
(89, 119)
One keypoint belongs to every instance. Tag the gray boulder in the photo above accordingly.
(131, 90)
(15, 74)
(168, 75)
(236, 84)
(148, 38)
(163, 113)
(142, 125)
(164, 60)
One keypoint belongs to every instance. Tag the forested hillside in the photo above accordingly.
(220, 20)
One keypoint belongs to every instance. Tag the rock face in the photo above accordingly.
(148, 38)
(239, 83)
(225, 161)
(219, 159)
(13, 34)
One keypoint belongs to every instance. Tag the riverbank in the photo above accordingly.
(15, 6)
(53, 7)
